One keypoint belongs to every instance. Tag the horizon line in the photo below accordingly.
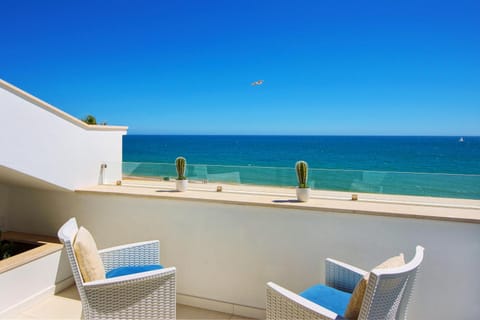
(298, 135)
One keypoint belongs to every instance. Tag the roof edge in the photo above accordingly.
(48, 107)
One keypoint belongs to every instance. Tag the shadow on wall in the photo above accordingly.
(64, 276)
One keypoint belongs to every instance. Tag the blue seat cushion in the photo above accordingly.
(123, 271)
(327, 297)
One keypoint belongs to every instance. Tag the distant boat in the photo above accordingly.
(460, 140)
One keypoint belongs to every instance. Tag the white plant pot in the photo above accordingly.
(303, 194)
(181, 185)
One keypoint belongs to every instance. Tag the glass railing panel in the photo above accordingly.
(148, 170)
(251, 175)
(402, 183)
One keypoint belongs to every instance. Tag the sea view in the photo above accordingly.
(240, 160)
(412, 165)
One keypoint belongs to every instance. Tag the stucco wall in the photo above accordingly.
(40, 143)
(228, 252)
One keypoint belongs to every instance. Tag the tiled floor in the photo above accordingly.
(67, 305)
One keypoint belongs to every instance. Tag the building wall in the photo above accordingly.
(43, 142)
(228, 252)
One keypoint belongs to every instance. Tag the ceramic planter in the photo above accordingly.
(303, 194)
(181, 185)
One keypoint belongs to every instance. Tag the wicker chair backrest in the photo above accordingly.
(67, 234)
(388, 290)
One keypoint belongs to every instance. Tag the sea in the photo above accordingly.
(413, 165)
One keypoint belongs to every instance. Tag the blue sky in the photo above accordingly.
(184, 67)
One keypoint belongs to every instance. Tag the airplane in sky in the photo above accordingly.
(257, 83)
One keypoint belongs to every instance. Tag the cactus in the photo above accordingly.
(181, 165)
(302, 173)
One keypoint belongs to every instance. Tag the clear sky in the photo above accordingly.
(407, 67)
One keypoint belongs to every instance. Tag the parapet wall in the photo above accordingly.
(41, 141)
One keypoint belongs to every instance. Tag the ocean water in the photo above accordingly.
(432, 166)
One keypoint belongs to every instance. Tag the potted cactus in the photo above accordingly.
(181, 182)
(303, 191)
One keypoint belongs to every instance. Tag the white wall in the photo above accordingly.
(30, 282)
(40, 143)
(228, 252)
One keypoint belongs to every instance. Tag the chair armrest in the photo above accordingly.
(131, 278)
(342, 276)
(134, 254)
(284, 304)
(149, 295)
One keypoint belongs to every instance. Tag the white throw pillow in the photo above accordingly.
(89, 261)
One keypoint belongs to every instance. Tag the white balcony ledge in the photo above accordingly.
(47, 245)
(445, 209)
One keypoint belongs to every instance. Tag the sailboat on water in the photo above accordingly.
(461, 139)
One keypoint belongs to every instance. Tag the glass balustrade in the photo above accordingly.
(403, 183)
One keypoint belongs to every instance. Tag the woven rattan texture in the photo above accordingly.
(150, 295)
(148, 298)
(144, 254)
(386, 297)
(280, 307)
(340, 277)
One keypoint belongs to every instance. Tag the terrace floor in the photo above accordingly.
(67, 305)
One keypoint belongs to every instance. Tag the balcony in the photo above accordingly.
(227, 245)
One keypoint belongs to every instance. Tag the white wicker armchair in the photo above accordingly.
(146, 295)
(386, 296)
